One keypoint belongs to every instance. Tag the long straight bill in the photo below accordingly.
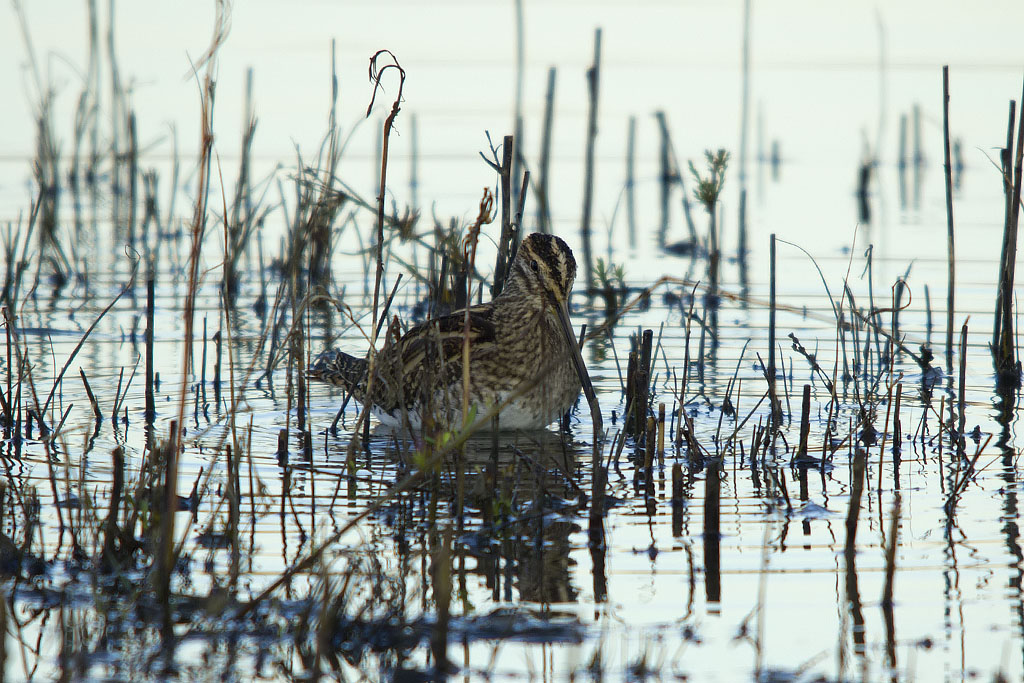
(577, 358)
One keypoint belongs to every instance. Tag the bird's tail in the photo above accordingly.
(340, 369)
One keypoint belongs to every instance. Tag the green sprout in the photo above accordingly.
(708, 189)
(605, 273)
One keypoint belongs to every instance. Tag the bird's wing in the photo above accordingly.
(444, 336)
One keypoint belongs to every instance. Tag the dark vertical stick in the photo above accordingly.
(234, 505)
(8, 319)
(150, 400)
(5, 629)
(949, 218)
(133, 173)
(712, 533)
(661, 435)
(650, 446)
(543, 208)
(677, 499)
(111, 530)
(218, 358)
(202, 370)
(928, 313)
(962, 395)
(282, 446)
(593, 83)
(772, 392)
(856, 491)
(805, 422)
(641, 385)
(170, 507)
(900, 286)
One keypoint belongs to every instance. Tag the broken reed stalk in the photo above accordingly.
(805, 422)
(593, 85)
(949, 219)
(517, 223)
(111, 531)
(639, 380)
(1006, 166)
(543, 206)
(1004, 349)
(504, 258)
(92, 399)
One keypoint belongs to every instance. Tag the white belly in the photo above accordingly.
(513, 416)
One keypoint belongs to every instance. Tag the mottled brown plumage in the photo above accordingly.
(520, 343)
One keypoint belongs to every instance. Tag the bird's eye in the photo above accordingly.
(533, 264)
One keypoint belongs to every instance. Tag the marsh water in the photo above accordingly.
(297, 556)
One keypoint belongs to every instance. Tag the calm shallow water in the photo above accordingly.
(531, 598)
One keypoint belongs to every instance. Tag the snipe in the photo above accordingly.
(522, 351)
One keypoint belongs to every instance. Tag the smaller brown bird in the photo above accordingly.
(522, 351)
